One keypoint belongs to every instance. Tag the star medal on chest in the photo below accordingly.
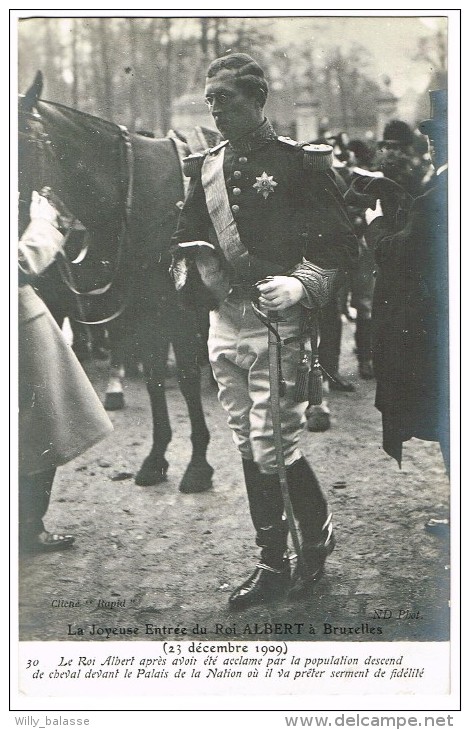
(265, 185)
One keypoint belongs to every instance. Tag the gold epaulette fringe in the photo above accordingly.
(318, 157)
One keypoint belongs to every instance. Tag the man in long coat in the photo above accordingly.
(60, 414)
(411, 310)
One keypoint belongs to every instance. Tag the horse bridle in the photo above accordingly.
(40, 139)
(123, 242)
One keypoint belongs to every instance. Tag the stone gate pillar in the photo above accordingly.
(386, 108)
(306, 118)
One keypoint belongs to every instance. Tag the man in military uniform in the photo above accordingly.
(275, 219)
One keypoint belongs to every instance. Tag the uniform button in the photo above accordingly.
(237, 174)
(243, 160)
(236, 191)
(235, 208)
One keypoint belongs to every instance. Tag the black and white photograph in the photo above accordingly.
(235, 355)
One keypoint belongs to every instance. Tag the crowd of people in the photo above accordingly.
(287, 238)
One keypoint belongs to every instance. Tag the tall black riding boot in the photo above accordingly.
(363, 337)
(311, 512)
(271, 577)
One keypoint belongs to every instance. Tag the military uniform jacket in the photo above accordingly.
(286, 211)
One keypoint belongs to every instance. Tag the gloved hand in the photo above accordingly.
(41, 208)
(209, 263)
(371, 214)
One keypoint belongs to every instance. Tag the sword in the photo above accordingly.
(277, 388)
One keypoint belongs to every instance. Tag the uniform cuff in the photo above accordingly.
(318, 284)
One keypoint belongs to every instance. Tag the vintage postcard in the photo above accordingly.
(192, 536)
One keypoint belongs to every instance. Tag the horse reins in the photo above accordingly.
(127, 153)
(127, 161)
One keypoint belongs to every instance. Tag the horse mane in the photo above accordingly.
(84, 119)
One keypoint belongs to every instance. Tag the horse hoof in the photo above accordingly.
(114, 401)
(151, 473)
(197, 478)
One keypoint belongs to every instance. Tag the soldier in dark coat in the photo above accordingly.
(274, 217)
(411, 313)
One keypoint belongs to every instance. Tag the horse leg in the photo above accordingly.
(99, 342)
(155, 466)
(131, 364)
(82, 342)
(118, 337)
(198, 474)
(114, 396)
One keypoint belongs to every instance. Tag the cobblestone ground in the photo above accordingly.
(171, 560)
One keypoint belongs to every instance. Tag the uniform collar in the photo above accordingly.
(252, 141)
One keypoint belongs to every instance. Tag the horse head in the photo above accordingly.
(82, 159)
(86, 155)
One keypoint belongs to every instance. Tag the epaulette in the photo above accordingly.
(218, 147)
(317, 157)
(290, 142)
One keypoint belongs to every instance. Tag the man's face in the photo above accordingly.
(437, 146)
(432, 149)
(234, 113)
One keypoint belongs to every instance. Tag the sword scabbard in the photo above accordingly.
(275, 383)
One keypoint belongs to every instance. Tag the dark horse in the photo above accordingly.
(126, 189)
